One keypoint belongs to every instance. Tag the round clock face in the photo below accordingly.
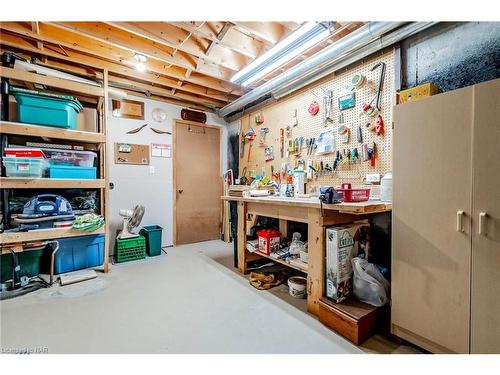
(159, 115)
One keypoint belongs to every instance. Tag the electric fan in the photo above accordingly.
(131, 220)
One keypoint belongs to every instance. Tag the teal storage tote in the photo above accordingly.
(40, 108)
(152, 233)
(77, 253)
(66, 171)
(24, 167)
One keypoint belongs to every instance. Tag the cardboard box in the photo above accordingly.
(418, 92)
(342, 244)
(269, 241)
(12, 109)
(87, 120)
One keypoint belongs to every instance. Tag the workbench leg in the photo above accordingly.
(316, 260)
(242, 237)
(284, 228)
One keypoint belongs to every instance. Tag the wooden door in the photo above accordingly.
(431, 258)
(197, 182)
(485, 308)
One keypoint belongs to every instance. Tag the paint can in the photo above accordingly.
(297, 286)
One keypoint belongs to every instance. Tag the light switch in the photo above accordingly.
(151, 169)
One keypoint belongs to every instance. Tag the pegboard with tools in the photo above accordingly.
(346, 107)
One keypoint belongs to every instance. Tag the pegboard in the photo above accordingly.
(280, 115)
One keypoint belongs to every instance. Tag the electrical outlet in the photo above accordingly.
(373, 177)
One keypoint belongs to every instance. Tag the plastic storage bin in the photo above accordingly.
(353, 195)
(77, 253)
(64, 171)
(152, 234)
(46, 109)
(24, 167)
(130, 249)
(31, 263)
(70, 157)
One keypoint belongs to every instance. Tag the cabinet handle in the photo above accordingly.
(482, 224)
(460, 221)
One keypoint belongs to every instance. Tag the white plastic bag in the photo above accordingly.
(369, 285)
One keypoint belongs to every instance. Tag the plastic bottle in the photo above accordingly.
(386, 188)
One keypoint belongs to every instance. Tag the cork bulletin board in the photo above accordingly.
(281, 114)
(129, 153)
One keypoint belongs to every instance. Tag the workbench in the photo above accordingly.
(303, 210)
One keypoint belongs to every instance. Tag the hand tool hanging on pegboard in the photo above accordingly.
(328, 107)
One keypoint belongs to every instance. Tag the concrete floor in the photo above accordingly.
(188, 301)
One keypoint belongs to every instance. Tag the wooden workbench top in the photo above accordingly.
(370, 206)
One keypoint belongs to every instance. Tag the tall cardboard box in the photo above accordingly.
(87, 120)
(342, 244)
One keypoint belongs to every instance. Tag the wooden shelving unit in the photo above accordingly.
(50, 183)
(17, 128)
(257, 255)
(44, 234)
(95, 141)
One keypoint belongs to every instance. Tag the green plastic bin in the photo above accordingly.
(30, 261)
(39, 108)
(152, 233)
(130, 249)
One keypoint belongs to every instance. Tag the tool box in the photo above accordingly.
(77, 253)
(42, 108)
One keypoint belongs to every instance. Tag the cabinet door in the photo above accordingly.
(485, 309)
(431, 256)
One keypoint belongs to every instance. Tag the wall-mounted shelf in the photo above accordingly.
(50, 183)
(44, 234)
(18, 128)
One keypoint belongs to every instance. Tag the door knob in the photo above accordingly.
(482, 224)
(180, 191)
(460, 221)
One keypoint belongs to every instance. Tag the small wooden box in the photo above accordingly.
(352, 319)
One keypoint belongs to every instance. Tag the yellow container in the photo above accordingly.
(418, 92)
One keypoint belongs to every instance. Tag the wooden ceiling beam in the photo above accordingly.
(271, 32)
(162, 91)
(108, 53)
(180, 103)
(137, 44)
(179, 39)
(234, 39)
(88, 66)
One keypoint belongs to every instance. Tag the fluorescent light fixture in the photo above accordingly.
(292, 46)
(140, 60)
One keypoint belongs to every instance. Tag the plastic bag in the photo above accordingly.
(297, 245)
(369, 285)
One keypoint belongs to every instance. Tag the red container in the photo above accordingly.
(353, 195)
(269, 241)
(24, 152)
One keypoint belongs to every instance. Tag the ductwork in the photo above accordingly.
(366, 40)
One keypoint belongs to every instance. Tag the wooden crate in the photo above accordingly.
(352, 319)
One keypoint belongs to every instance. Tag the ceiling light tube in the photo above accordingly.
(280, 47)
(288, 57)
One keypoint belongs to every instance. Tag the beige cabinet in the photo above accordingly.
(446, 282)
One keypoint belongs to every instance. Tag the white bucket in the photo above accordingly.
(297, 286)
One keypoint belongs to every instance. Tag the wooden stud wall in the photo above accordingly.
(279, 114)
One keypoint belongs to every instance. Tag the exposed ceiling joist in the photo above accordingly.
(271, 32)
(107, 52)
(80, 59)
(181, 40)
